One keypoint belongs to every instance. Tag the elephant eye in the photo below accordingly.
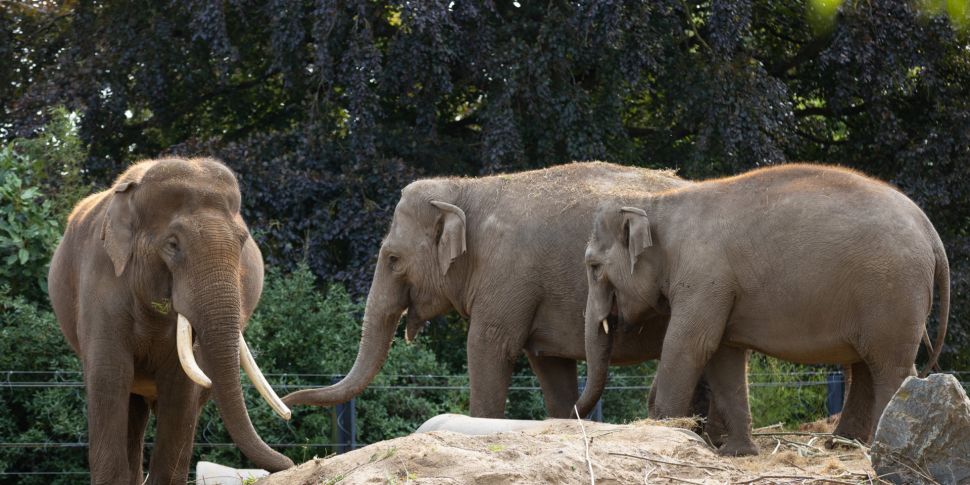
(595, 269)
(393, 261)
(172, 244)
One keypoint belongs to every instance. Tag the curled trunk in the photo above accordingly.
(218, 330)
(375, 344)
(386, 301)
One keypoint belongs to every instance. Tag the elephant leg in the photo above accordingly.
(137, 420)
(704, 406)
(557, 377)
(727, 374)
(855, 422)
(490, 365)
(693, 336)
(177, 413)
(886, 382)
(108, 374)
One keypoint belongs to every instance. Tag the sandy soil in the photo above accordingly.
(644, 451)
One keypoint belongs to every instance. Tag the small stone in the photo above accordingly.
(924, 433)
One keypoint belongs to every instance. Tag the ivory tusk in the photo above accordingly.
(606, 326)
(259, 381)
(183, 343)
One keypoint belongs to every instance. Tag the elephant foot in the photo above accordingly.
(744, 447)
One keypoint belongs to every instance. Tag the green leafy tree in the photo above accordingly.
(327, 109)
(39, 183)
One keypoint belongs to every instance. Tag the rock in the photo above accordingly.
(458, 423)
(924, 432)
(208, 473)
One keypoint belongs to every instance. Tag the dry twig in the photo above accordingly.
(589, 462)
(771, 426)
(678, 479)
(691, 465)
(793, 477)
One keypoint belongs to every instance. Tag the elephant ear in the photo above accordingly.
(636, 229)
(117, 230)
(451, 241)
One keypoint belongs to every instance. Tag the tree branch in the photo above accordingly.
(820, 141)
(807, 52)
(828, 111)
(676, 132)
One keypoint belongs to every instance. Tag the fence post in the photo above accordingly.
(344, 424)
(836, 392)
(597, 413)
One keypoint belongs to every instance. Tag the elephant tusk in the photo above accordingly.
(183, 343)
(259, 381)
(606, 326)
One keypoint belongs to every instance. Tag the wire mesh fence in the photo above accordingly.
(776, 394)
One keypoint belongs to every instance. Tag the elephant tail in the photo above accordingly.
(942, 279)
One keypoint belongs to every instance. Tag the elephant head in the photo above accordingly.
(622, 278)
(173, 230)
(419, 272)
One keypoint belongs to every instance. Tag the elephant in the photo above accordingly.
(505, 252)
(162, 253)
(807, 263)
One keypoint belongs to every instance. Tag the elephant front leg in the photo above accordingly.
(693, 335)
(137, 420)
(490, 368)
(177, 413)
(107, 379)
(727, 375)
(557, 377)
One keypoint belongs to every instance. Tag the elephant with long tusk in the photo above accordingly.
(191, 368)
(151, 275)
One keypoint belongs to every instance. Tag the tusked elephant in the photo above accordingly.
(806, 263)
(506, 252)
(161, 253)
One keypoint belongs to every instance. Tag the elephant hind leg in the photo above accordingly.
(557, 377)
(137, 421)
(885, 384)
(727, 374)
(856, 421)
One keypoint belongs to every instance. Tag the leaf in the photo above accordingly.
(24, 255)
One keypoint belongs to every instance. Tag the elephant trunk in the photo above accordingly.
(381, 316)
(219, 326)
(599, 346)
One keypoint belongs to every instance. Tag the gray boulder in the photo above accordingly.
(924, 433)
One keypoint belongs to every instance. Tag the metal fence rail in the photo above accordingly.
(346, 421)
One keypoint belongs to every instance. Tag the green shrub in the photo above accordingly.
(39, 183)
(31, 341)
(785, 392)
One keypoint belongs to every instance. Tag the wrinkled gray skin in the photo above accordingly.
(805, 263)
(506, 252)
(167, 238)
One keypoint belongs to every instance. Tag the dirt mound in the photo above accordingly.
(645, 451)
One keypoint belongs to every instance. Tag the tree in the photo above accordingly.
(327, 108)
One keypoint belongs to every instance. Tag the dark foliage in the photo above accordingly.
(327, 108)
